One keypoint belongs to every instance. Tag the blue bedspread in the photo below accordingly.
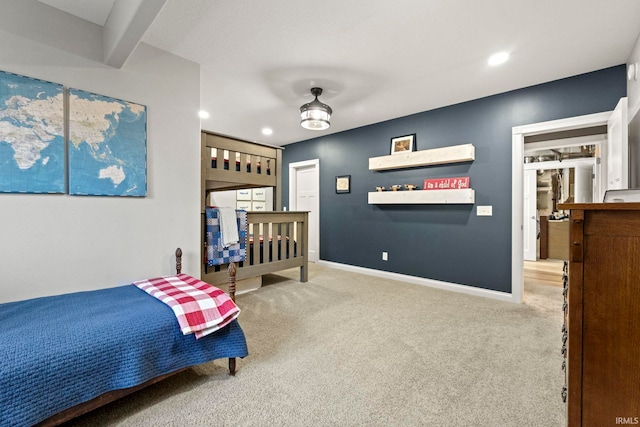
(57, 352)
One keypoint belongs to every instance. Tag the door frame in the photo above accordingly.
(530, 230)
(517, 179)
(293, 191)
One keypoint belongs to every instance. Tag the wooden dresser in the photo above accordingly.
(601, 337)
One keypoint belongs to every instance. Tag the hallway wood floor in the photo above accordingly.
(544, 272)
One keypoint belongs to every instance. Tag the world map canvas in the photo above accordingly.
(107, 146)
(31, 135)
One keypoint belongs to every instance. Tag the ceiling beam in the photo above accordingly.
(125, 27)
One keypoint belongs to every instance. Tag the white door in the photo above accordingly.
(617, 173)
(529, 223)
(583, 184)
(304, 184)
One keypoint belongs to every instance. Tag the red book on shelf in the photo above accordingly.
(446, 183)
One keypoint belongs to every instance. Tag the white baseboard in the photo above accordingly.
(465, 289)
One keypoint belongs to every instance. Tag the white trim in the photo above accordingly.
(517, 170)
(454, 287)
(576, 141)
(517, 212)
(589, 120)
(556, 164)
(302, 164)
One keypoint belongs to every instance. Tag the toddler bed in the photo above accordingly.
(65, 355)
(285, 232)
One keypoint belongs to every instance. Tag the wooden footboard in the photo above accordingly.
(277, 241)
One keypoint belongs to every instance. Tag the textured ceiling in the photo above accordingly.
(378, 59)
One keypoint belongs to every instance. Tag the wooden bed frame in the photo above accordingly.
(114, 395)
(233, 164)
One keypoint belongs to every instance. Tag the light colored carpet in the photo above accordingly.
(346, 349)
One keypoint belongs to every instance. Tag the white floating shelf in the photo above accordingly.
(434, 156)
(463, 196)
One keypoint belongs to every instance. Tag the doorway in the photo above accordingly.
(569, 179)
(304, 189)
(545, 130)
(611, 171)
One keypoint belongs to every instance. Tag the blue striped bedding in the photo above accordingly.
(57, 352)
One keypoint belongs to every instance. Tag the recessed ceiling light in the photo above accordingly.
(498, 58)
(203, 114)
(267, 131)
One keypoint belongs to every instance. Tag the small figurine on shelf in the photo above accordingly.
(410, 187)
(379, 188)
(396, 187)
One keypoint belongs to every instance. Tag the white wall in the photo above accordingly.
(52, 244)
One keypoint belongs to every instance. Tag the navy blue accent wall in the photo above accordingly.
(442, 242)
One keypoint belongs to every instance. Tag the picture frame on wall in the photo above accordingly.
(343, 184)
(403, 144)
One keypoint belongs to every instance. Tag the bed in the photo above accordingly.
(256, 166)
(65, 355)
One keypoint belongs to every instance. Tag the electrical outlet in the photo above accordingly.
(385, 256)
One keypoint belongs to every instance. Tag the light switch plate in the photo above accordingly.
(485, 210)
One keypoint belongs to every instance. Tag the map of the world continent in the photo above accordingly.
(106, 152)
(107, 146)
(31, 135)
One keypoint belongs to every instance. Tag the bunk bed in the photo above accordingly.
(66, 355)
(276, 240)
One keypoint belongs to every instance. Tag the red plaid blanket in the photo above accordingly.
(199, 307)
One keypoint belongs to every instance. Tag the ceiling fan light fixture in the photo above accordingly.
(315, 115)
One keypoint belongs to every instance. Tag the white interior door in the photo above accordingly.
(529, 223)
(617, 173)
(304, 185)
(583, 184)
